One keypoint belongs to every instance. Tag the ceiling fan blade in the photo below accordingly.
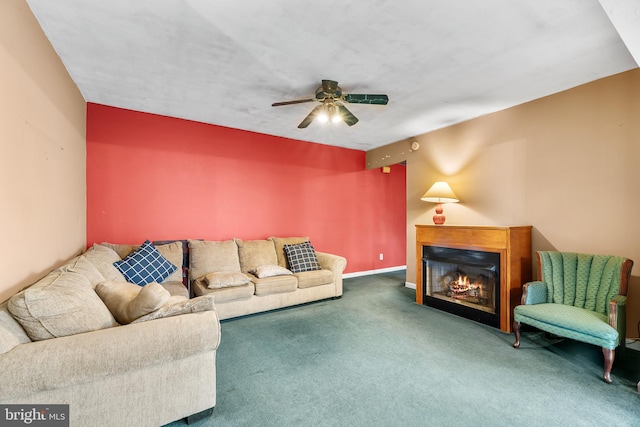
(312, 115)
(329, 86)
(298, 101)
(366, 99)
(347, 117)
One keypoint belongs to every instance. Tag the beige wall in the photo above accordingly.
(42, 157)
(567, 164)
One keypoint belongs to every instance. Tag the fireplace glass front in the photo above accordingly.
(464, 282)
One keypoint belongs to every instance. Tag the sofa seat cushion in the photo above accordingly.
(224, 294)
(275, 285)
(60, 304)
(570, 322)
(309, 279)
(209, 256)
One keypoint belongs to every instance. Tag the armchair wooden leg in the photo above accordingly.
(609, 355)
(516, 330)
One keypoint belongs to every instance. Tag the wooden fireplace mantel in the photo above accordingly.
(512, 243)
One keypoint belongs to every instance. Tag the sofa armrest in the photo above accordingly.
(91, 356)
(336, 264)
(534, 293)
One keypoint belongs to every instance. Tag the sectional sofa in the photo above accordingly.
(61, 344)
(128, 334)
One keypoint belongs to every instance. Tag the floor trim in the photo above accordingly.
(370, 272)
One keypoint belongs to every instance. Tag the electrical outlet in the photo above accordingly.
(381, 257)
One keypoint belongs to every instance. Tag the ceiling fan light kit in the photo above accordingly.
(331, 107)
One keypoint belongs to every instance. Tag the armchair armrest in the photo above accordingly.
(534, 293)
(617, 315)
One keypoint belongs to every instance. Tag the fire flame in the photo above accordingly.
(463, 284)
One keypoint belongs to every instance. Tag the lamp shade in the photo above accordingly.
(440, 192)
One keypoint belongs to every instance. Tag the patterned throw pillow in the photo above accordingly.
(193, 305)
(225, 279)
(269, 270)
(145, 265)
(302, 257)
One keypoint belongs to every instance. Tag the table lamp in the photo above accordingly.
(440, 193)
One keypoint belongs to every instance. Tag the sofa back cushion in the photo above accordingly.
(82, 265)
(103, 258)
(255, 253)
(581, 280)
(209, 256)
(61, 303)
(279, 243)
(171, 251)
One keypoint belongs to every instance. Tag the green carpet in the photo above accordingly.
(375, 358)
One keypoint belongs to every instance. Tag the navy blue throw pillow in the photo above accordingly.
(145, 265)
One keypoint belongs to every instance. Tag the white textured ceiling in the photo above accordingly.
(225, 62)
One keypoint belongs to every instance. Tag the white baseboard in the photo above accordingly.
(369, 272)
(410, 285)
(633, 343)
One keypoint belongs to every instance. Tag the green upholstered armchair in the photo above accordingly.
(578, 296)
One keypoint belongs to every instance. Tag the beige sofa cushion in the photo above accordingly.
(309, 279)
(11, 332)
(275, 285)
(103, 258)
(269, 270)
(121, 249)
(7, 340)
(174, 254)
(171, 251)
(254, 253)
(82, 265)
(60, 304)
(209, 256)
(176, 289)
(194, 305)
(224, 294)
(225, 279)
(279, 243)
(128, 301)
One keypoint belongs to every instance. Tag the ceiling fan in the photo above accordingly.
(331, 105)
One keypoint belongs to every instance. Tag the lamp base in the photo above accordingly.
(439, 218)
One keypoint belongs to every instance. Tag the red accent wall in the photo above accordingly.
(156, 177)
